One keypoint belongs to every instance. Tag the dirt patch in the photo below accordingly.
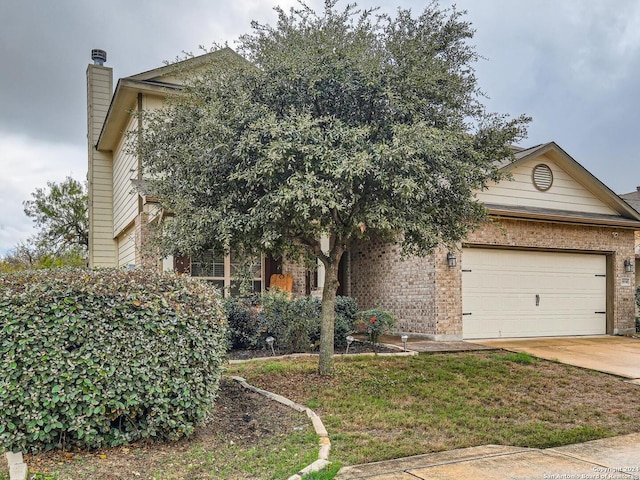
(242, 420)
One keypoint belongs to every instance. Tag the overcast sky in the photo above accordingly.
(573, 65)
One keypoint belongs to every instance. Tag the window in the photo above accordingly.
(224, 271)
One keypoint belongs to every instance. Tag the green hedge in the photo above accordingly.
(102, 358)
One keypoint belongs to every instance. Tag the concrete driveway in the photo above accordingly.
(616, 355)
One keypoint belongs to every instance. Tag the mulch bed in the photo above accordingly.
(354, 348)
(241, 418)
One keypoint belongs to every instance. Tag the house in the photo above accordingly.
(633, 199)
(555, 259)
(120, 211)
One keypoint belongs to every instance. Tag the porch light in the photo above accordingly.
(628, 266)
(451, 260)
(270, 341)
(404, 339)
(350, 340)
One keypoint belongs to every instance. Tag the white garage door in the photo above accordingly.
(511, 293)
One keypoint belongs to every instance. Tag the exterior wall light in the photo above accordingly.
(628, 266)
(451, 260)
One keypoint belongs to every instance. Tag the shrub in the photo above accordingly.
(295, 323)
(244, 322)
(289, 321)
(638, 296)
(102, 358)
(346, 310)
(374, 323)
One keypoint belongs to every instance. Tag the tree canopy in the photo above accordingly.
(345, 124)
(60, 214)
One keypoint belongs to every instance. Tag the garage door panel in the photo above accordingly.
(500, 288)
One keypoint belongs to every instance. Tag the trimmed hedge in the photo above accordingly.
(102, 358)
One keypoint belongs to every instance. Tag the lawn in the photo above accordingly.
(375, 408)
(389, 407)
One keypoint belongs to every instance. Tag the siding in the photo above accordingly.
(564, 194)
(102, 248)
(125, 168)
(127, 248)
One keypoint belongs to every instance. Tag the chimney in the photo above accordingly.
(100, 171)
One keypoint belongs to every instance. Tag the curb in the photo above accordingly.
(318, 426)
(17, 468)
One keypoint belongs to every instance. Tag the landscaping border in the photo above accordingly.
(318, 426)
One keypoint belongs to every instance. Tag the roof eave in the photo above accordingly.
(576, 219)
(122, 104)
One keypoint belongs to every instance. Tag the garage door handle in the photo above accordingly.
(601, 312)
(537, 300)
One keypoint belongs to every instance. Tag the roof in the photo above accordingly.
(632, 198)
(159, 82)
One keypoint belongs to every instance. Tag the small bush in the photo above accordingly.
(244, 321)
(346, 310)
(294, 323)
(101, 358)
(374, 323)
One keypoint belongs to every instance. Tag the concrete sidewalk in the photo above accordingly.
(610, 458)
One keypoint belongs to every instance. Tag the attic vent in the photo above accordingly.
(542, 177)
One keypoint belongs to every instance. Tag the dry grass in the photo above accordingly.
(389, 407)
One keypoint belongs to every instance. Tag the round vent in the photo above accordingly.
(542, 177)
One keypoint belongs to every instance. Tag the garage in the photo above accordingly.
(518, 293)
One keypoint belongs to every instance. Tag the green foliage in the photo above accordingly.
(102, 358)
(294, 323)
(638, 296)
(374, 322)
(342, 124)
(244, 322)
(61, 215)
(346, 310)
(25, 256)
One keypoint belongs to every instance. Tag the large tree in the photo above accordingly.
(343, 124)
(60, 213)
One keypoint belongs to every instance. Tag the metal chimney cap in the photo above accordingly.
(98, 56)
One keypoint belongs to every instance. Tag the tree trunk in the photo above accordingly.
(328, 317)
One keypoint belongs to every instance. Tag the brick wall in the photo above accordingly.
(425, 294)
(299, 271)
(380, 277)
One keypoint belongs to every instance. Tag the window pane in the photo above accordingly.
(217, 283)
(207, 264)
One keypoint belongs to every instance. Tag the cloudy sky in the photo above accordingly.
(573, 65)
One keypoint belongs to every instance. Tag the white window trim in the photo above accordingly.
(227, 279)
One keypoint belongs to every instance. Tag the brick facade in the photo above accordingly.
(425, 294)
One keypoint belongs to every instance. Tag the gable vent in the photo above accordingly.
(542, 177)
